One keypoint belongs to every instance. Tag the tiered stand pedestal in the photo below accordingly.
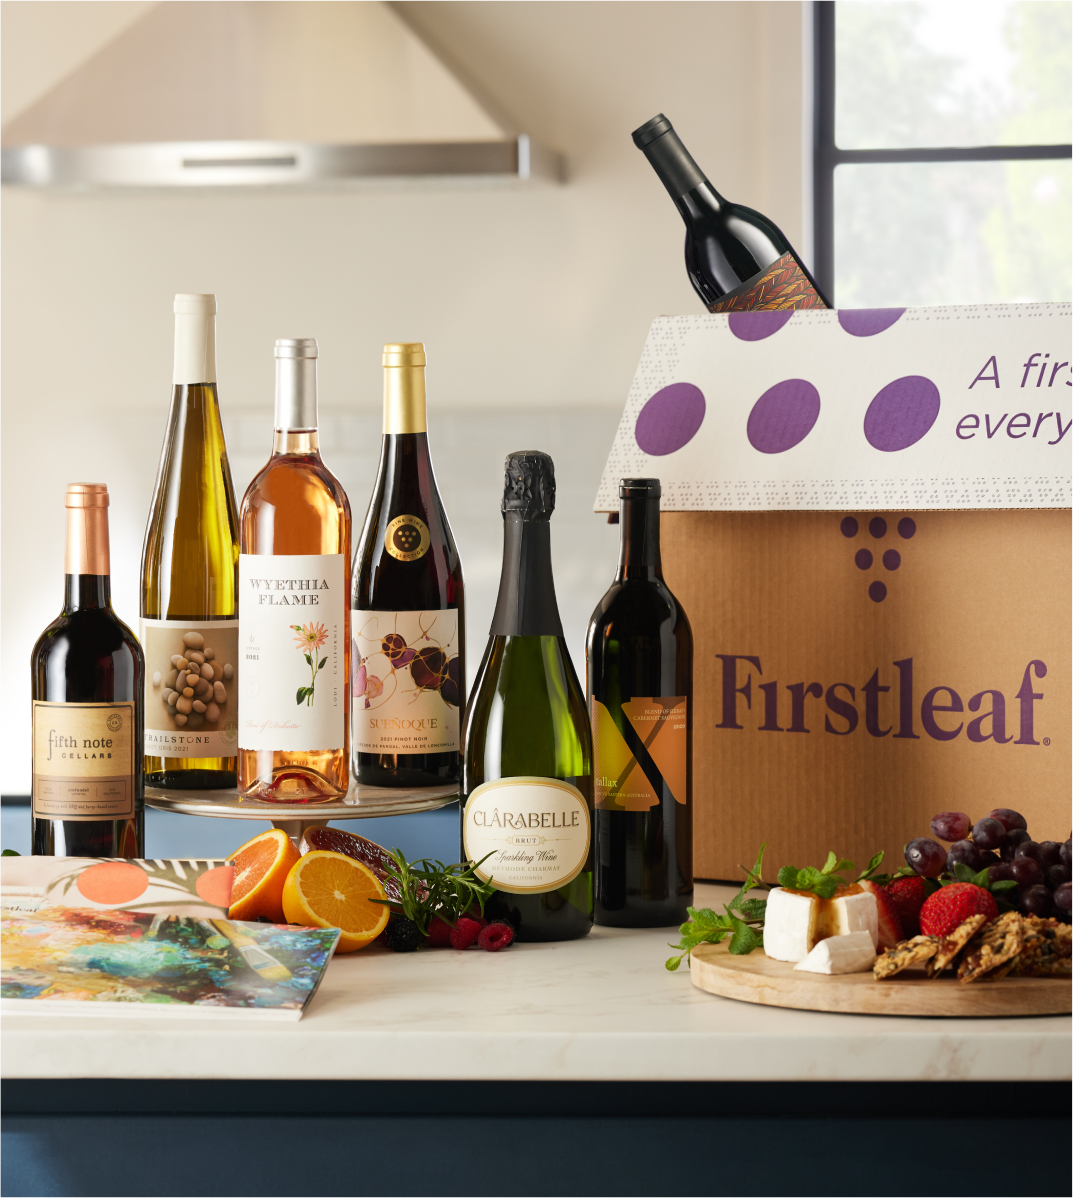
(361, 802)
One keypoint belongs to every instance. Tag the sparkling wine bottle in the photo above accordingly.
(737, 259)
(294, 624)
(527, 746)
(189, 626)
(639, 657)
(408, 624)
(86, 684)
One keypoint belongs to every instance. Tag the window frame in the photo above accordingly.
(827, 156)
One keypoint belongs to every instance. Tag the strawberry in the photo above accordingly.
(949, 907)
(908, 895)
(890, 926)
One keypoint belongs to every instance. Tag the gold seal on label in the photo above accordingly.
(407, 538)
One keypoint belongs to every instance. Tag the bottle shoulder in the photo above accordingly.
(92, 630)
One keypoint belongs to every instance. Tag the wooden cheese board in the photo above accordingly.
(758, 979)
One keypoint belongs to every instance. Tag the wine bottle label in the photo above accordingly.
(405, 681)
(407, 538)
(191, 688)
(783, 285)
(536, 829)
(621, 781)
(293, 645)
(83, 761)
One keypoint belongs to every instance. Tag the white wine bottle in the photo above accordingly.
(527, 754)
(294, 580)
(409, 623)
(189, 624)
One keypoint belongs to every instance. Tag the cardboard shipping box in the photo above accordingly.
(866, 518)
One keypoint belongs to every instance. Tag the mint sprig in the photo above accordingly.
(821, 882)
(742, 920)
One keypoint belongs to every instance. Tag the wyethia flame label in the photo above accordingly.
(292, 642)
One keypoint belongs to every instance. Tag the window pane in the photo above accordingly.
(952, 233)
(952, 73)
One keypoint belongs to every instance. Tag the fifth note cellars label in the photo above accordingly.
(292, 646)
(83, 761)
(405, 670)
(621, 782)
(537, 830)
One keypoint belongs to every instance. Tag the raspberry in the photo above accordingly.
(495, 936)
(439, 932)
(465, 933)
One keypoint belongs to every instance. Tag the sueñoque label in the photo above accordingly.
(406, 681)
(621, 782)
(407, 538)
(84, 764)
(783, 285)
(191, 688)
(292, 644)
(536, 829)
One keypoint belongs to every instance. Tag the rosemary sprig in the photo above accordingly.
(430, 888)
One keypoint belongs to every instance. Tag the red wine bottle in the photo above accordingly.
(738, 260)
(408, 621)
(639, 655)
(87, 693)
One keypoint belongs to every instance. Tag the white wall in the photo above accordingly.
(533, 303)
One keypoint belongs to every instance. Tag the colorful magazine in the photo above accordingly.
(75, 961)
(199, 888)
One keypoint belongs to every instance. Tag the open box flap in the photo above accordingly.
(965, 407)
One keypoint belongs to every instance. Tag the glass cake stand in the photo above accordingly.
(361, 802)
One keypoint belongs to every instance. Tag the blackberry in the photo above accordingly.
(403, 935)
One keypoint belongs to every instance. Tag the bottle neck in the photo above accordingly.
(404, 399)
(675, 166)
(526, 605)
(639, 554)
(296, 399)
(85, 592)
(195, 348)
(87, 564)
(305, 442)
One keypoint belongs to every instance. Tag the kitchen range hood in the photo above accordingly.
(230, 93)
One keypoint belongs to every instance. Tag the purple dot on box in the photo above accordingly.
(877, 592)
(670, 419)
(863, 558)
(849, 527)
(901, 413)
(906, 527)
(783, 416)
(892, 559)
(877, 526)
(755, 326)
(866, 322)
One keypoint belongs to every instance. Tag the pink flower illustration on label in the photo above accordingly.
(310, 638)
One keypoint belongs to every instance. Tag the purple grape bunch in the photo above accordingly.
(1000, 843)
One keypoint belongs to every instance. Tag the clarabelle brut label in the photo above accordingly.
(83, 761)
(201, 657)
(537, 830)
(292, 645)
(406, 681)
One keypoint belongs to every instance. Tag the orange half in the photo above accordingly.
(261, 868)
(332, 890)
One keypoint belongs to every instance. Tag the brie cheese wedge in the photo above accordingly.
(851, 953)
(795, 922)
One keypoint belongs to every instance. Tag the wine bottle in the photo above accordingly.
(527, 747)
(639, 657)
(294, 622)
(737, 259)
(189, 626)
(86, 672)
(408, 623)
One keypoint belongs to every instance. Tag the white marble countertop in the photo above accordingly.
(598, 1009)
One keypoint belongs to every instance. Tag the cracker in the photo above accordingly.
(998, 943)
(1046, 951)
(950, 946)
(904, 954)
